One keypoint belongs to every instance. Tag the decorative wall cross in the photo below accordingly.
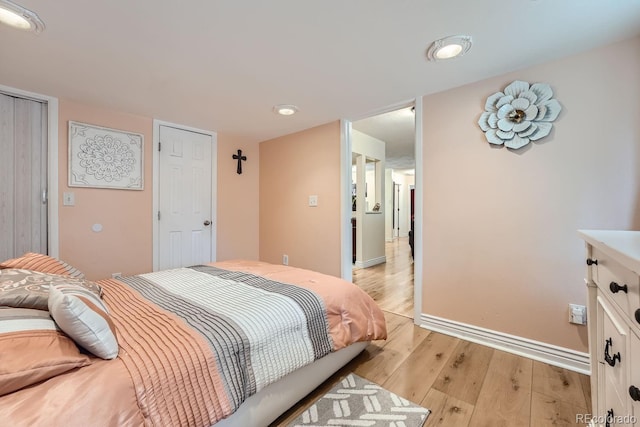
(239, 157)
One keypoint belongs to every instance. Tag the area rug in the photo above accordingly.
(355, 401)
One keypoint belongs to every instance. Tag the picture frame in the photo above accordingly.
(101, 157)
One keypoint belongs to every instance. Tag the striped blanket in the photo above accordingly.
(196, 342)
(259, 330)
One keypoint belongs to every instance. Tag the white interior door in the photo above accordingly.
(186, 223)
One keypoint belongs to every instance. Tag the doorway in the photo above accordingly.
(184, 196)
(391, 284)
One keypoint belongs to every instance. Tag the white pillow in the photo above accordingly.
(84, 317)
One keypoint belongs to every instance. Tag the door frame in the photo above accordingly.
(53, 232)
(345, 197)
(156, 185)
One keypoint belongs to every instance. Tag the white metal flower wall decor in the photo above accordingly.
(520, 114)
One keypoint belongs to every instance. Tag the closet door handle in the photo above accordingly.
(592, 261)
(607, 357)
(615, 288)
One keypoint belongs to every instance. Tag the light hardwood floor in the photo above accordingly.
(464, 384)
(390, 284)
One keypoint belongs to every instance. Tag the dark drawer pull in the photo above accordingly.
(615, 288)
(607, 357)
(610, 416)
(592, 261)
(634, 392)
(638, 315)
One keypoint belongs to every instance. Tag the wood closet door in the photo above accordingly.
(23, 176)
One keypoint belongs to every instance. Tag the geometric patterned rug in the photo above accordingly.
(357, 402)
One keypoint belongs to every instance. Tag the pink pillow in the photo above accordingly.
(32, 349)
(43, 264)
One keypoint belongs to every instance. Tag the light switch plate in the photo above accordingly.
(69, 198)
(313, 201)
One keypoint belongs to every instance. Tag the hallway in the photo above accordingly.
(390, 284)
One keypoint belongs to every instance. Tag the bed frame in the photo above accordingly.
(272, 401)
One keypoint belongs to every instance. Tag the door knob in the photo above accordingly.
(207, 223)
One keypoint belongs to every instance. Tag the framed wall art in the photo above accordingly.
(101, 157)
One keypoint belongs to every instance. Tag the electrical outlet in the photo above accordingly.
(285, 259)
(116, 275)
(577, 314)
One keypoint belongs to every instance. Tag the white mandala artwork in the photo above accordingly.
(519, 115)
(105, 158)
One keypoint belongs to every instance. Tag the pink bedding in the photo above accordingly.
(166, 373)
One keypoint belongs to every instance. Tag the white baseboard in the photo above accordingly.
(370, 262)
(536, 350)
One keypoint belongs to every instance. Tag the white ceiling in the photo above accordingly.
(222, 64)
(397, 129)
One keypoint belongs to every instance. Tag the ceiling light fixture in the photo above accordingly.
(18, 17)
(449, 47)
(285, 109)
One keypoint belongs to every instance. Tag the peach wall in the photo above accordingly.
(499, 227)
(292, 168)
(237, 200)
(126, 245)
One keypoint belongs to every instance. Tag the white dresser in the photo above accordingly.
(613, 281)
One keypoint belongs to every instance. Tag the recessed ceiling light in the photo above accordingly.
(285, 109)
(18, 17)
(449, 47)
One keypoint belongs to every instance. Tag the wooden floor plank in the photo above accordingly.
(387, 358)
(446, 411)
(464, 373)
(549, 411)
(558, 383)
(585, 381)
(428, 359)
(394, 321)
(505, 397)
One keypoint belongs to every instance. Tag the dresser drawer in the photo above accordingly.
(620, 284)
(612, 348)
(613, 412)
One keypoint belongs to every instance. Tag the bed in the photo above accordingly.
(232, 343)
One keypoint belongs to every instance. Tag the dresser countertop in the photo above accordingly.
(622, 245)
